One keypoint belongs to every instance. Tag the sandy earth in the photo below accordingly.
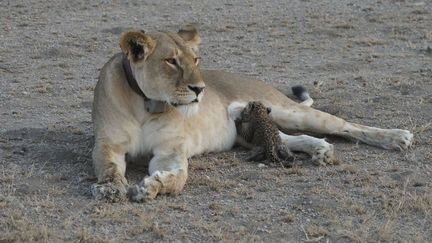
(366, 61)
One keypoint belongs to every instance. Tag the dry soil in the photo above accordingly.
(366, 61)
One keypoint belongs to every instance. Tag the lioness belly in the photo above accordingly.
(208, 131)
(215, 136)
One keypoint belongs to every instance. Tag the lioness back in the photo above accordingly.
(231, 87)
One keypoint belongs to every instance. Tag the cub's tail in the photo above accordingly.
(301, 93)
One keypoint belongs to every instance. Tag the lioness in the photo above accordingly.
(153, 99)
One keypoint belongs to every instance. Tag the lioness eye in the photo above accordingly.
(171, 61)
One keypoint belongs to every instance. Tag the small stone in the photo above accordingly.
(261, 165)
(419, 184)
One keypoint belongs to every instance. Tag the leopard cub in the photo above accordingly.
(256, 130)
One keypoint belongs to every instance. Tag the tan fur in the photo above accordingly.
(128, 39)
(196, 122)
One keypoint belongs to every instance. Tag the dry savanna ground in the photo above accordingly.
(366, 61)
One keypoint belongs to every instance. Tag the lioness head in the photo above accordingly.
(165, 66)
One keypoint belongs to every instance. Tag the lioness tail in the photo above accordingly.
(301, 93)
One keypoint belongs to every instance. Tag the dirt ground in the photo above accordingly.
(366, 61)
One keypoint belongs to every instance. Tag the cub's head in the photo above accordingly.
(254, 109)
(165, 66)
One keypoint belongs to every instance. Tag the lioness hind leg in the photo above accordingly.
(168, 175)
(110, 166)
(303, 118)
(322, 152)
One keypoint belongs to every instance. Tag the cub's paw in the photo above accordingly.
(324, 154)
(109, 191)
(397, 139)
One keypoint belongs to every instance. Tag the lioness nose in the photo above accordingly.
(196, 89)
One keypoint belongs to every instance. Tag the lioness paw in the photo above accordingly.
(146, 190)
(111, 192)
(324, 154)
(397, 139)
(138, 193)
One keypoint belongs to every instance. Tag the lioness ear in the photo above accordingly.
(137, 45)
(189, 34)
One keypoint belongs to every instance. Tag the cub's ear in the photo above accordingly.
(252, 105)
(268, 110)
(189, 34)
(137, 45)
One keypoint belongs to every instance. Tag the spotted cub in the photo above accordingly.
(256, 130)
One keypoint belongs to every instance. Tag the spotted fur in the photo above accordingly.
(256, 128)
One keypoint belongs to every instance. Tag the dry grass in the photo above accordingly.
(347, 168)
(43, 88)
(401, 202)
(213, 184)
(368, 63)
(345, 26)
(146, 227)
(288, 217)
(21, 228)
(85, 236)
(352, 236)
(296, 169)
(369, 41)
(386, 231)
(314, 233)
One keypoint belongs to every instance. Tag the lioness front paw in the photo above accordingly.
(138, 193)
(324, 155)
(397, 139)
(146, 190)
(109, 191)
